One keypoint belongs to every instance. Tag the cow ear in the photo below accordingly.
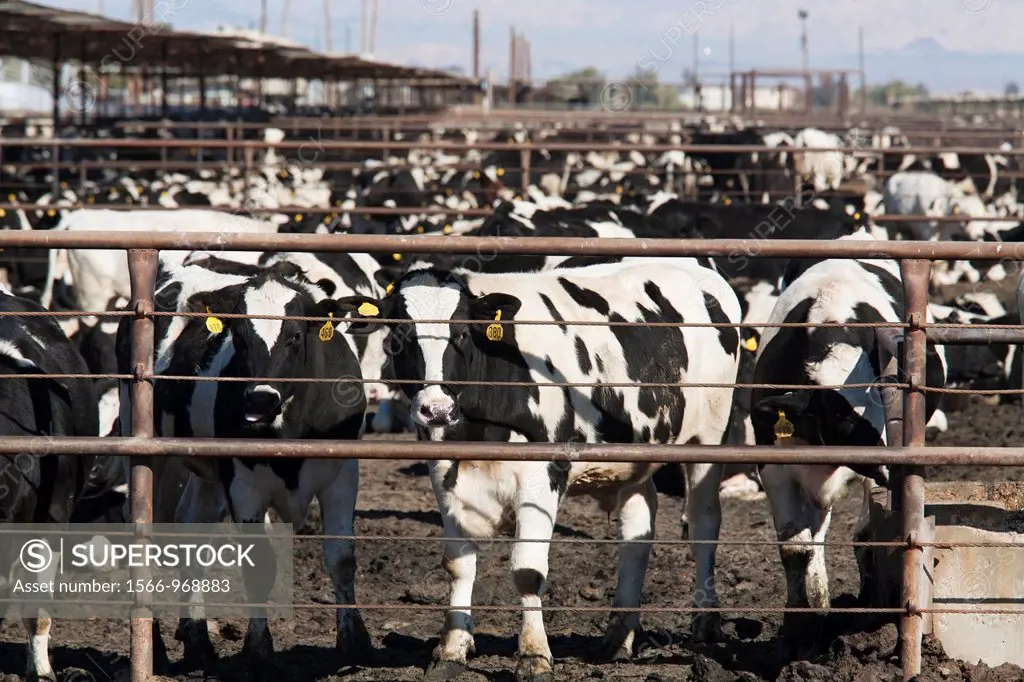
(489, 306)
(382, 277)
(327, 286)
(363, 308)
(495, 308)
(794, 407)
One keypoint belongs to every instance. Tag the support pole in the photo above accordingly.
(142, 266)
(915, 284)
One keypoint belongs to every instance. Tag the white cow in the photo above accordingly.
(919, 193)
(100, 275)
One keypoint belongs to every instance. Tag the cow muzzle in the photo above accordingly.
(435, 413)
(262, 404)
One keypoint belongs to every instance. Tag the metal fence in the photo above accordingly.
(311, 154)
(905, 419)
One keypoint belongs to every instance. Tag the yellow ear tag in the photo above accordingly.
(784, 427)
(618, 190)
(368, 309)
(447, 229)
(298, 218)
(856, 216)
(11, 198)
(750, 344)
(213, 324)
(420, 229)
(2, 213)
(51, 213)
(500, 172)
(91, 200)
(495, 332)
(727, 201)
(396, 256)
(327, 331)
(391, 287)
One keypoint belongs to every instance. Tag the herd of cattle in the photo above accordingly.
(450, 367)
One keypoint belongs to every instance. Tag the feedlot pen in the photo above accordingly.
(401, 586)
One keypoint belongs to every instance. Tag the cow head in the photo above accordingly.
(268, 354)
(818, 417)
(435, 341)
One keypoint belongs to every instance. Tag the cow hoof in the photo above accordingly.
(355, 644)
(258, 647)
(706, 627)
(534, 669)
(619, 637)
(444, 670)
(199, 652)
(617, 654)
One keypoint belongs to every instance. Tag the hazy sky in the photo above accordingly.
(618, 35)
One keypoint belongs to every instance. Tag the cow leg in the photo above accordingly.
(38, 650)
(636, 522)
(449, 658)
(798, 519)
(535, 520)
(201, 501)
(704, 517)
(249, 506)
(38, 630)
(338, 508)
(865, 555)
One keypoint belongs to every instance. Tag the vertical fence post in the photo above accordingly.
(915, 286)
(142, 264)
(524, 164)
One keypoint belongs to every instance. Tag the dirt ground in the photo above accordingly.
(395, 499)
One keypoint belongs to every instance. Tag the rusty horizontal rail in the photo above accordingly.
(518, 608)
(324, 145)
(433, 209)
(493, 451)
(518, 384)
(307, 537)
(490, 247)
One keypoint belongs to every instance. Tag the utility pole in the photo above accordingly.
(732, 67)
(284, 17)
(512, 65)
(363, 41)
(328, 42)
(696, 72)
(263, 17)
(806, 60)
(529, 62)
(860, 66)
(476, 45)
(373, 27)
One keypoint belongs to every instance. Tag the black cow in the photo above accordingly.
(269, 406)
(40, 488)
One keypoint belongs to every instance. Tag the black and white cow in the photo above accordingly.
(483, 498)
(272, 352)
(40, 488)
(801, 496)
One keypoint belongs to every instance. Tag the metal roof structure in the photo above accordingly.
(36, 32)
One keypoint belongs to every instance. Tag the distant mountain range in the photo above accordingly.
(926, 61)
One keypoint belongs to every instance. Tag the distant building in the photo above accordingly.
(717, 97)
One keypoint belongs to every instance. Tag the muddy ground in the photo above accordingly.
(395, 499)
